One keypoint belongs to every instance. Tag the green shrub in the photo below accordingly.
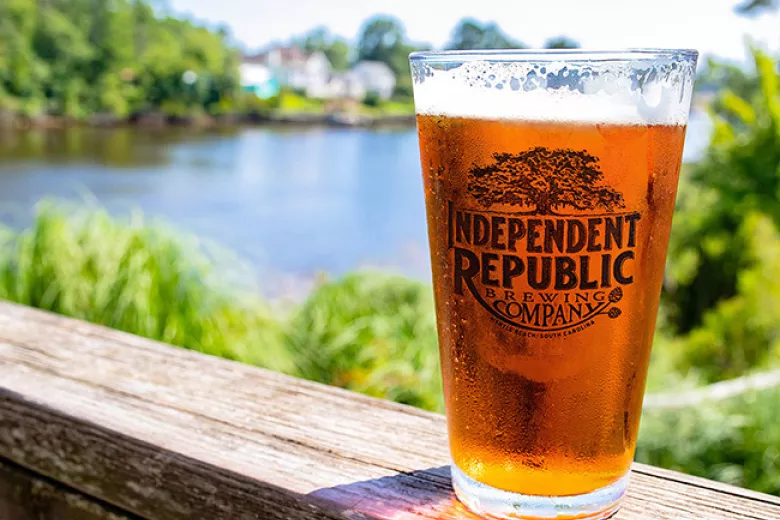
(721, 292)
(372, 333)
(372, 99)
(741, 333)
(250, 103)
(735, 441)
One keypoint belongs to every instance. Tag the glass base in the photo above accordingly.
(495, 503)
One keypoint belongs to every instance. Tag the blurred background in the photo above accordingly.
(242, 178)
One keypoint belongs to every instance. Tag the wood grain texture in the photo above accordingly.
(26, 496)
(169, 434)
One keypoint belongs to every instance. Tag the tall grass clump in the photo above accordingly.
(372, 333)
(140, 278)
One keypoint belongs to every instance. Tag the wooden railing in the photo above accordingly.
(97, 424)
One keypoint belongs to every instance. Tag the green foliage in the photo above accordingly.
(371, 333)
(81, 57)
(735, 441)
(722, 77)
(289, 101)
(744, 163)
(254, 105)
(470, 34)
(721, 290)
(741, 333)
(338, 54)
(380, 40)
(561, 42)
(335, 48)
(383, 38)
(372, 99)
(139, 278)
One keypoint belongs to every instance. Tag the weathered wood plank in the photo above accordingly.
(169, 434)
(26, 496)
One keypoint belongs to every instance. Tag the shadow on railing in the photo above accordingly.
(423, 494)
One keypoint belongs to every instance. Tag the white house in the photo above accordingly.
(312, 73)
(292, 67)
(340, 85)
(376, 77)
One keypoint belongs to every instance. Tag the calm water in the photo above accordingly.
(293, 202)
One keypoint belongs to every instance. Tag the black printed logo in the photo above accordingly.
(544, 181)
(553, 246)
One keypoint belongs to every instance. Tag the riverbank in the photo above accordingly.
(336, 119)
(159, 119)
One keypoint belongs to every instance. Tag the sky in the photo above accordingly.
(707, 25)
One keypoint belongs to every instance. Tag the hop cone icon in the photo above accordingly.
(616, 294)
(614, 312)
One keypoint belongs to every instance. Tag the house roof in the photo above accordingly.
(289, 55)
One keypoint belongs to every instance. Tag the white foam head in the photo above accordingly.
(626, 91)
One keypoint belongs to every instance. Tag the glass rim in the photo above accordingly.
(550, 55)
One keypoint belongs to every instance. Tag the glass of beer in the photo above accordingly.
(550, 180)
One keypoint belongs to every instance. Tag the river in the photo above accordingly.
(294, 202)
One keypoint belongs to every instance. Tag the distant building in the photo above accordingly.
(340, 85)
(292, 67)
(257, 79)
(376, 77)
(312, 73)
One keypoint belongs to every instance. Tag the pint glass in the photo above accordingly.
(550, 180)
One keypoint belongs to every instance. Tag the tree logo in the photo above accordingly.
(546, 181)
(549, 248)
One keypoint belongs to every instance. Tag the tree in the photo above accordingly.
(76, 57)
(467, 35)
(380, 39)
(338, 54)
(21, 71)
(335, 48)
(470, 34)
(561, 42)
(545, 180)
(316, 40)
(384, 39)
(757, 7)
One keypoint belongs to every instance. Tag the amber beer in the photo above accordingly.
(547, 309)
(548, 240)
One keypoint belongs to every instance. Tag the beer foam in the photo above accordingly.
(615, 92)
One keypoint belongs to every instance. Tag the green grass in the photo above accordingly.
(369, 332)
(292, 103)
(140, 278)
(372, 333)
